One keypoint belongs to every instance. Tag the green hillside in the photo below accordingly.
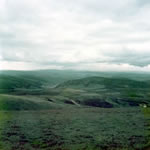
(107, 92)
(12, 102)
(100, 82)
(55, 77)
(8, 83)
(47, 77)
(77, 87)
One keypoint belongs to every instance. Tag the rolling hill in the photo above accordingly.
(107, 92)
(75, 88)
(101, 82)
(9, 83)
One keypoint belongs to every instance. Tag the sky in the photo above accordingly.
(96, 35)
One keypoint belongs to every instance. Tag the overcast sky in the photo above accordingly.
(102, 35)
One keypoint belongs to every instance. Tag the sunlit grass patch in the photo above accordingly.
(146, 111)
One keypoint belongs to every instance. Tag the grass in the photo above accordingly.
(116, 92)
(35, 114)
(146, 112)
(8, 83)
(75, 129)
(13, 102)
(4, 117)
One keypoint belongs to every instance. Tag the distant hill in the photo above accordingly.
(8, 83)
(12, 102)
(79, 88)
(107, 92)
(55, 77)
(46, 77)
(101, 82)
(10, 80)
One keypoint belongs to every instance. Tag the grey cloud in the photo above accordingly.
(143, 2)
(72, 33)
(132, 60)
(130, 57)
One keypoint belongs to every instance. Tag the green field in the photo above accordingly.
(75, 128)
(68, 110)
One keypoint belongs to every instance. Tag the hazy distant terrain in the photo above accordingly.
(85, 88)
(54, 109)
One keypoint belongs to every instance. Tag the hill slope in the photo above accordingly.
(107, 92)
(99, 82)
(79, 87)
(8, 83)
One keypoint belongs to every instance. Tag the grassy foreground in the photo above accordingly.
(74, 129)
(146, 112)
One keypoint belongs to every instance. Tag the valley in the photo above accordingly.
(74, 110)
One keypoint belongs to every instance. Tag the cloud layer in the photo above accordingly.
(82, 34)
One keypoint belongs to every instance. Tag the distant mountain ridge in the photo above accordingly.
(99, 82)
